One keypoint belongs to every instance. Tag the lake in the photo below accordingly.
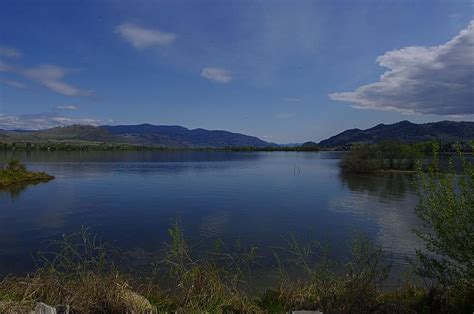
(132, 198)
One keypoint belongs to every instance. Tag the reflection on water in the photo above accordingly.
(389, 199)
(213, 225)
(127, 156)
(15, 190)
(390, 186)
(133, 197)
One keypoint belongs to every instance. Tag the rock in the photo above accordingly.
(42, 308)
(134, 302)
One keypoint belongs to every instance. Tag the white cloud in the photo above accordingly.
(427, 80)
(50, 76)
(14, 84)
(66, 108)
(217, 75)
(141, 38)
(45, 72)
(9, 53)
(66, 89)
(41, 121)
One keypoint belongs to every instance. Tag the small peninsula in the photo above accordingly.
(15, 172)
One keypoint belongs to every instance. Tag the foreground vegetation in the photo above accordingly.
(16, 173)
(82, 273)
(446, 208)
(86, 274)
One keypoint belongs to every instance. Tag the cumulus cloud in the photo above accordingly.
(141, 38)
(41, 121)
(217, 75)
(14, 84)
(8, 52)
(48, 75)
(426, 80)
(66, 108)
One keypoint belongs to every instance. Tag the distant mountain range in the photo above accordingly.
(180, 137)
(406, 132)
(143, 134)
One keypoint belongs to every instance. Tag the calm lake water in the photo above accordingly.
(131, 198)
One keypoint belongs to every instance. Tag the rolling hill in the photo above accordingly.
(147, 134)
(180, 137)
(143, 134)
(406, 132)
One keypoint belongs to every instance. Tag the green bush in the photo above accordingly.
(398, 156)
(15, 166)
(446, 208)
(362, 159)
(384, 156)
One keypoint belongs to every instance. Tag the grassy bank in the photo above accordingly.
(82, 272)
(16, 173)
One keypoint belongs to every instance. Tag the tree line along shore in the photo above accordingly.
(101, 146)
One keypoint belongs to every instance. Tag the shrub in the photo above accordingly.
(446, 208)
(399, 156)
(384, 156)
(15, 166)
(362, 159)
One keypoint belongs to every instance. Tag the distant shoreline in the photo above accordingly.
(99, 146)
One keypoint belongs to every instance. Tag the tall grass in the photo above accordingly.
(195, 280)
(81, 271)
(309, 279)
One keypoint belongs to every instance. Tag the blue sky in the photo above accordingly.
(286, 71)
